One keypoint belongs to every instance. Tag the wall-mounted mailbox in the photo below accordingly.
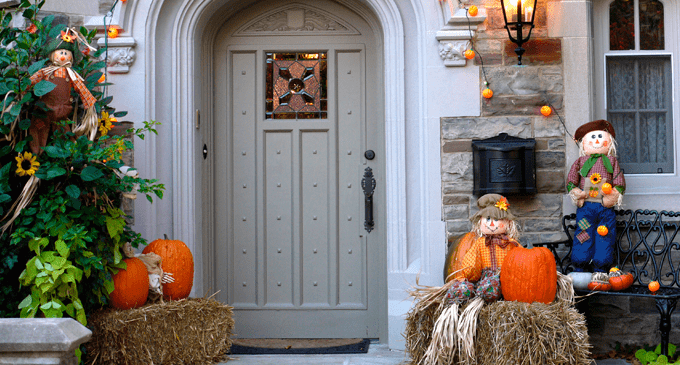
(504, 165)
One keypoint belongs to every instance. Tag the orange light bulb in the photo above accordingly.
(487, 93)
(472, 10)
(469, 54)
(546, 110)
(112, 32)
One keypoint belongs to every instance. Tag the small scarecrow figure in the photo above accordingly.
(480, 254)
(595, 184)
(62, 52)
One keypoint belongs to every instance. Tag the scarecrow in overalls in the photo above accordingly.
(595, 184)
(62, 53)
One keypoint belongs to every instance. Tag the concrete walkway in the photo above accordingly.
(378, 354)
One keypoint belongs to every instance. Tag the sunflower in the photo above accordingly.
(502, 204)
(105, 124)
(595, 178)
(66, 37)
(27, 164)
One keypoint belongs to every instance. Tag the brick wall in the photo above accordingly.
(519, 94)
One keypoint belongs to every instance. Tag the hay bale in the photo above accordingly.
(511, 333)
(188, 331)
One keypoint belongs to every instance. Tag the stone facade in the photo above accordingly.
(519, 94)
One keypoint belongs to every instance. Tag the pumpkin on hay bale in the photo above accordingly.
(187, 331)
(178, 261)
(507, 332)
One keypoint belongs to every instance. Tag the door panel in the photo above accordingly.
(296, 251)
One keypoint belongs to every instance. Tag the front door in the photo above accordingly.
(296, 109)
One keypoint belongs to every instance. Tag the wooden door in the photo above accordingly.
(293, 255)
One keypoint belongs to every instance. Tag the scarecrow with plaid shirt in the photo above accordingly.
(62, 52)
(595, 184)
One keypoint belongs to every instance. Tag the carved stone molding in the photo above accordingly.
(120, 55)
(295, 19)
(454, 38)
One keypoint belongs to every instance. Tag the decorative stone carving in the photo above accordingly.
(120, 55)
(454, 38)
(296, 19)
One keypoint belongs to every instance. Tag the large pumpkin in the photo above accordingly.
(529, 275)
(131, 285)
(178, 261)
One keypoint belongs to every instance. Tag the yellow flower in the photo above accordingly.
(66, 37)
(595, 178)
(105, 124)
(502, 204)
(27, 164)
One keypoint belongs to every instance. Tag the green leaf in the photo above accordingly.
(4, 198)
(73, 191)
(37, 66)
(26, 302)
(108, 284)
(70, 310)
(91, 173)
(42, 88)
(25, 124)
(16, 109)
(62, 248)
(56, 152)
(55, 171)
(68, 278)
(39, 264)
(117, 257)
(120, 114)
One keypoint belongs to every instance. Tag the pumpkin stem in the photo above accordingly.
(165, 236)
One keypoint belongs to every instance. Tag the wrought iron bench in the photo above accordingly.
(648, 246)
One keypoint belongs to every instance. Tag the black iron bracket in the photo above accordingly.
(666, 306)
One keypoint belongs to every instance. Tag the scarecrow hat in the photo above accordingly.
(68, 39)
(596, 125)
(494, 206)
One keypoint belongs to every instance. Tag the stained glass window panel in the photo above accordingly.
(296, 85)
(651, 25)
(621, 25)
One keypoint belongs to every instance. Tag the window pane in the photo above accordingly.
(296, 85)
(651, 25)
(639, 106)
(621, 25)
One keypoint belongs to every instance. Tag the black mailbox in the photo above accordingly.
(504, 165)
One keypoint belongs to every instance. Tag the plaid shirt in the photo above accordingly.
(574, 179)
(482, 256)
(79, 86)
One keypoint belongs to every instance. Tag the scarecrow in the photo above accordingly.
(595, 184)
(62, 52)
(479, 255)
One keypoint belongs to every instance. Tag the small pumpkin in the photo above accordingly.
(529, 275)
(653, 286)
(597, 285)
(469, 54)
(620, 280)
(178, 261)
(546, 110)
(487, 93)
(131, 285)
(602, 230)
(607, 188)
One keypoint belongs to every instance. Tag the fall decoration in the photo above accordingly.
(529, 275)
(178, 261)
(131, 285)
(27, 164)
(473, 10)
(607, 188)
(599, 286)
(112, 32)
(546, 110)
(620, 280)
(469, 54)
(188, 331)
(614, 269)
(487, 93)
(602, 230)
(502, 204)
(653, 286)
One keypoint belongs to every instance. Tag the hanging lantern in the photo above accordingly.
(519, 20)
(112, 32)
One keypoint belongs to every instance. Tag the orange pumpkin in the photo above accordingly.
(529, 275)
(621, 280)
(473, 10)
(469, 54)
(178, 261)
(599, 286)
(607, 188)
(131, 285)
(653, 286)
(602, 230)
(487, 93)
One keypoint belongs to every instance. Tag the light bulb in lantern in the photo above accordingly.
(112, 32)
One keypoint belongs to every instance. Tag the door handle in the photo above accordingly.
(368, 184)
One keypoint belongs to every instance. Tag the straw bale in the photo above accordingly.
(187, 331)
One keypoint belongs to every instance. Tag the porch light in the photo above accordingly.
(519, 15)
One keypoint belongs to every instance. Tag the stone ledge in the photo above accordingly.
(18, 335)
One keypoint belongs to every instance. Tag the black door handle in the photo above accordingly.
(368, 184)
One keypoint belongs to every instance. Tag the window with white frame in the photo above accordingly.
(636, 77)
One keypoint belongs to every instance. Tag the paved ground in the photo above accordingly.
(377, 355)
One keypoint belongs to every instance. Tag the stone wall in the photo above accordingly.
(519, 94)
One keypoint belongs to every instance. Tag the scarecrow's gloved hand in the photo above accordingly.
(611, 199)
